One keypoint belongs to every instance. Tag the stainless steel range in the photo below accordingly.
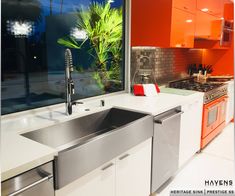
(211, 90)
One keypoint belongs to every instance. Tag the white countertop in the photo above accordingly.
(20, 154)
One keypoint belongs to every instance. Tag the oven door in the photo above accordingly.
(211, 117)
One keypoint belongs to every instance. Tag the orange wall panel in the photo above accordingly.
(222, 60)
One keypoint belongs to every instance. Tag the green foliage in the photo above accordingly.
(69, 42)
(79, 69)
(103, 26)
(96, 76)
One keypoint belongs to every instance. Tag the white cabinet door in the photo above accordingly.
(230, 104)
(100, 182)
(190, 132)
(133, 171)
(128, 174)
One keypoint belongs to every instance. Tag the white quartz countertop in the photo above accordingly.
(19, 154)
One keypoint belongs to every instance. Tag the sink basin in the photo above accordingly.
(88, 142)
(82, 130)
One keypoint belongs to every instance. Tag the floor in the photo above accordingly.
(215, 162)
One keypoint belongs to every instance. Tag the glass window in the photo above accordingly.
(212, 115)
(35, 34)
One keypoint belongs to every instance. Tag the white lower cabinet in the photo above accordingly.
(100, 182)
(230, 104)
(127, 174)
(133, 171)
(190, 129)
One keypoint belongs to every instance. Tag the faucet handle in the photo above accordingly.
(71, 88)
(71, 68)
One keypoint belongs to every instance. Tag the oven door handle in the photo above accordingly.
(31, 185)
(163, 120)
(213, 107)
(215, 104)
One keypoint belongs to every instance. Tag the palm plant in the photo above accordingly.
(103, 26)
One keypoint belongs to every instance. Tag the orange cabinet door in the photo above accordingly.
(182, 29)
(207, 26)
(151, 22)
(186, 5)
(213, 7)
(228, 10)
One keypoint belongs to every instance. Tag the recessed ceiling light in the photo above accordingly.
(204, 9)
(189, 21)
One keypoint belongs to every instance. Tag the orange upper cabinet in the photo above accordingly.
(208, 26)
(182, 29)
(163, 23)
(213, 7)
(228, 10)
(209, 16)
(186, 5)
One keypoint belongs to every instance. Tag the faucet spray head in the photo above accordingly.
(68, 59)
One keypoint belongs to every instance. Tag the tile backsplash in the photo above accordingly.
(166, 63)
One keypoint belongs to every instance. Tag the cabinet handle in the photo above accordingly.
(124, 156)
(31, 185)
(107, 166)
(163, 120)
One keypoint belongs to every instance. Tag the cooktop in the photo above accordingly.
(211, 90)
(195, 86)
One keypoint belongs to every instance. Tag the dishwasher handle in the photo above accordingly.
(164, 119)
(31, 185)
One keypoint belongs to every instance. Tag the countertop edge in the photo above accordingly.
(5, 175)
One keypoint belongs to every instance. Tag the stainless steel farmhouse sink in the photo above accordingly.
(88, 142)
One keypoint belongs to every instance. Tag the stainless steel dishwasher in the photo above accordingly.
(165, 151)
(36, 182)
